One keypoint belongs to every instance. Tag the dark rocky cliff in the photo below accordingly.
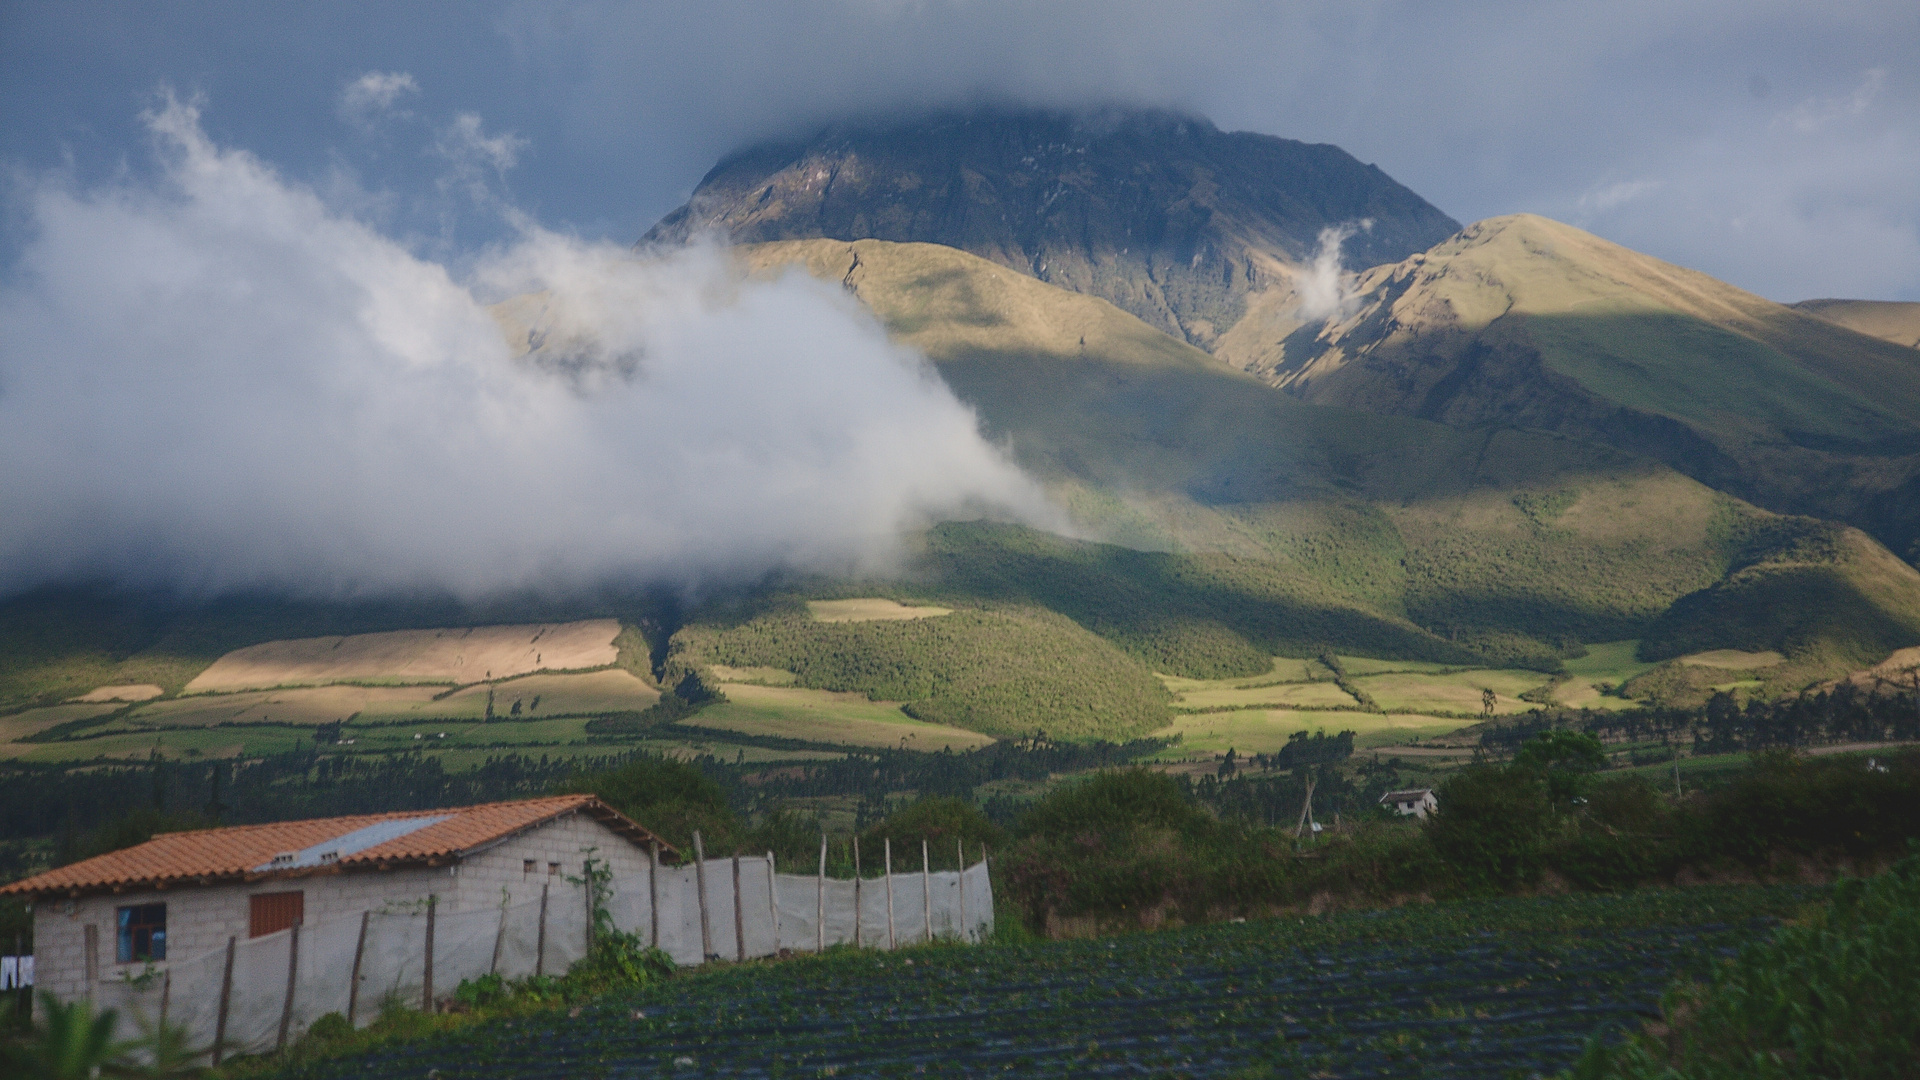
(1165, 215)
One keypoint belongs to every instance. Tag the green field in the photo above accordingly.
(821, 716)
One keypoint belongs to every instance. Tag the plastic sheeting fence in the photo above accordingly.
(253, 995)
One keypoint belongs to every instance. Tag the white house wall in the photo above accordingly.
(201, 918)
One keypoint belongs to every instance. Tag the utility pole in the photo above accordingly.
(1306, 809)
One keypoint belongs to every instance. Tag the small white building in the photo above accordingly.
(182, 894)
(1418, 802)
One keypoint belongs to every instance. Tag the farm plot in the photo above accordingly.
(456, 655)
(824, 717)
(1458, 692)
(1265, 731)
(1483, 989)
(588, 694)
(1296, 695)
(304, 707)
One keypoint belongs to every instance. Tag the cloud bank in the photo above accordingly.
(212, 381)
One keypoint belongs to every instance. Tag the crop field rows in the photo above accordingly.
(1484, 989)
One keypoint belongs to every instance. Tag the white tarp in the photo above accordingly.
(316, 962)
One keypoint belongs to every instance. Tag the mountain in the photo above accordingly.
(1297, 522)
(1527, 322)
(1162, 214)
(1889, 320)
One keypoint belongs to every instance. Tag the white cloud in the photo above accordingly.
(1817, 112)
(1326, 291)
(1606, 196)
(375, 92)
(212, 382)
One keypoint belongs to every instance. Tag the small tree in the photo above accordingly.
(1492, 825)
(70, 1042)
(1564, 759)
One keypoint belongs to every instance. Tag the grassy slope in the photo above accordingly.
(1888, 320)
(1522, 320)
(1505, 542)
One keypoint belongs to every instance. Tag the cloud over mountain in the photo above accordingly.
(211, 380)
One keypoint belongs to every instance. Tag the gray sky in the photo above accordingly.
(1772, 144)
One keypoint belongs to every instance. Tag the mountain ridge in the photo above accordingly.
(1160, 213)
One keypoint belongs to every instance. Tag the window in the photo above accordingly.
(553, 868)
(526, 867)
(143, 933)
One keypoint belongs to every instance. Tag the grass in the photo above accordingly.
(1007, 671)
(822, 716)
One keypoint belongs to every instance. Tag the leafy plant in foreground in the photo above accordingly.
(1832, 997)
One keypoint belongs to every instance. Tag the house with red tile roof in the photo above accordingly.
(183, 894)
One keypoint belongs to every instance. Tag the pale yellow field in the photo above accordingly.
(1734, 659)
(1264, 731)
(825, 717)
(22, 724)
(463, 655)
(132, 692)
(613, 690)
(1452, 693)
(764, 676)
(1297, 695)
(869, 609)
(304, 707)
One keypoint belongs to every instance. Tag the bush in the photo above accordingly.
(941, 822)
(1112, 804)
(1492, 825)
(1832, 997)
(669, 797)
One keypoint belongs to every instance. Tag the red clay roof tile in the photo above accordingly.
(241, 851)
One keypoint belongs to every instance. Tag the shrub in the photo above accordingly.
(1491, 825)
(669, 797)
(940, 821)
(1110, 804)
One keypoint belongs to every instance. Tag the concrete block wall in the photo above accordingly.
(201, 918)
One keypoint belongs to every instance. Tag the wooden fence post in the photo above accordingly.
(226, 996)
(426, 987)
(700, 886)
(773, 904)
(499, 938)
(739, 916)
(926, 887)
(92, 959)
(293, 969)
(653, 895)
(857, 905)
(359, 951)
(540, 943)
(166, 994)
(820, 902)
(960, 850)
(587, 887)
(888, 849)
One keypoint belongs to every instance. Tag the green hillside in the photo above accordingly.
(1382, 533)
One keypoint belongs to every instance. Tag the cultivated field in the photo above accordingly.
(1459, 692)
(461, 655)
(591, 692)
(1265, 731)
(134, 692)
(824, 717)
(33, 721)
(1734, 659)
(869, 609)
(1493, 988)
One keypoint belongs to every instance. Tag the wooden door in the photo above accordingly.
(274, 911)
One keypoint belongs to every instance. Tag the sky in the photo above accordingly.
(1772, 144)
(249, 252)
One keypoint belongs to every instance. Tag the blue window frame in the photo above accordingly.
(143, 933)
